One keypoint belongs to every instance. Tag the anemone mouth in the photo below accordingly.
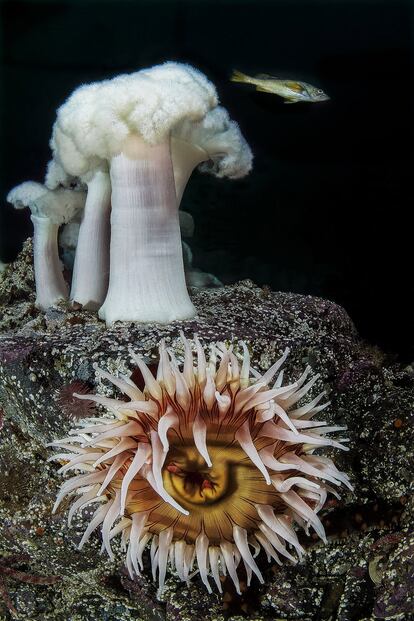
(217, 498)
(208, 462)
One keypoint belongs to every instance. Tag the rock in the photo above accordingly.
(394, 595)
(17, 294)
(44, 357)
(197, 278)
(17, 279)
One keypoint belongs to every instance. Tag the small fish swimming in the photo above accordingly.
(292, 91)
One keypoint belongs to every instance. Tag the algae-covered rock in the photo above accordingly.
(45, 357)
(17, 279)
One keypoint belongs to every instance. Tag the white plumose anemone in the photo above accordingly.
(209, 463)
(49, 209)
(134, 140)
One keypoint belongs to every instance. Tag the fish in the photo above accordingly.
(292, 91)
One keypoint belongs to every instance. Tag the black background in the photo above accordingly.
(326, 209)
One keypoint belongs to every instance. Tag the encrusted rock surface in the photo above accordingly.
(367, 569)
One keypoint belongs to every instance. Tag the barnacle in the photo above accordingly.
(208, 463)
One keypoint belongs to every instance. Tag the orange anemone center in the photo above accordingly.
(216, 498)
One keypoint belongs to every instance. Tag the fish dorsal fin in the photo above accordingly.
(265, 76)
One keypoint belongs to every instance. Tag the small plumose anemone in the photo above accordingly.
(209, 464)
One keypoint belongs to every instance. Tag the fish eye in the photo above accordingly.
(319, 91)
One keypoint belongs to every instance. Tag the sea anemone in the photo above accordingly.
(134, 140)
(50, 209)
(70, 405)
(207, 462)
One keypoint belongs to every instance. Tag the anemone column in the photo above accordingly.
(50, 284)
(91, 268)
(147, 281)
(185, 157)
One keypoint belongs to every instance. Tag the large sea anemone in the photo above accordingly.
(207, 463)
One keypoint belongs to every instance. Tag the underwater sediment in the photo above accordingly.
(366, 568)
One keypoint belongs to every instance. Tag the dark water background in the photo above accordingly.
(326, 210)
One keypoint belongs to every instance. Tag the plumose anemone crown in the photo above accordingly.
(208, 463)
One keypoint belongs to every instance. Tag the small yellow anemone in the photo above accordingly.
(208, 463)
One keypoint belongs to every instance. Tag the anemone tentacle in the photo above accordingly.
(207, 462)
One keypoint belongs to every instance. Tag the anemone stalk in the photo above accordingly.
(50, 284)
(91, 268)
(147, 281)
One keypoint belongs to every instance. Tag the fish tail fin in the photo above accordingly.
(238, 76)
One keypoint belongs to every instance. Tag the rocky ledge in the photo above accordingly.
(366, 571)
